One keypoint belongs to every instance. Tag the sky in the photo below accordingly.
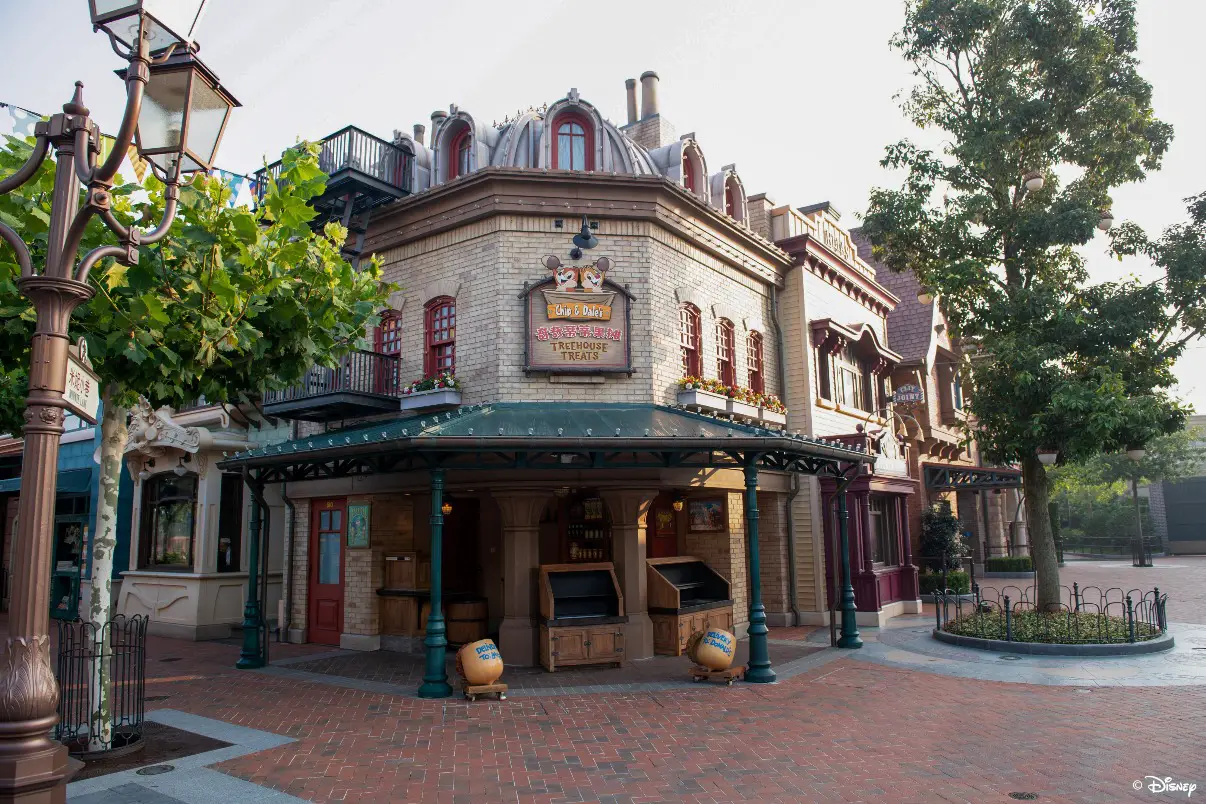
(799, 94)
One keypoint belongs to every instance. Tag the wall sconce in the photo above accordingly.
(677, 505)
(446, 508)
(180, 469)
(145, 472)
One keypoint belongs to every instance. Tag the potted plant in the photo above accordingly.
(742, 402)
(437, 391)
(771, 409)
(701, 394)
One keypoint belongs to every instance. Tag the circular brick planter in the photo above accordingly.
(1160, 643)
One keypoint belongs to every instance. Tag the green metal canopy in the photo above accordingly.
(534, 435)
(71, 481)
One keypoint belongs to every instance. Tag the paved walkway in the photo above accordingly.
(902, 720)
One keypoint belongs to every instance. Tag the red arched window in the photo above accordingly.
(574, 146)
(753, 359)
(459, 148)
(730, 201)
(387, 340)
(724, 352)
(689, 172)
(440, 341)
(688, 340)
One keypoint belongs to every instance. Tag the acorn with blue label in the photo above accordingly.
(480, 665)
(712, 651)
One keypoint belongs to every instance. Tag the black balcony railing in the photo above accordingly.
(355, 161)
(362, 384)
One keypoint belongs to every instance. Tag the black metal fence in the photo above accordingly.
(358, 372)
(1084, 615)
(121, 650)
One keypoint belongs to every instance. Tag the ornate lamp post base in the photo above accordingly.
(32, 766)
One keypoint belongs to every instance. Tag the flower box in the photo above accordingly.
(743, 409)
(704, 400)
(772, 416)
(435, 398)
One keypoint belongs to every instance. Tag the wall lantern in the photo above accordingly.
(1048, 457)
(169, 22)
(677, 505)
(1033, 181)
(180, 469)
(925, 295)
(1136, 453)
(1105, 220)
(446, 508)
(183, 115)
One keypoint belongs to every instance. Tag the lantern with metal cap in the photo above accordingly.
(170, 23)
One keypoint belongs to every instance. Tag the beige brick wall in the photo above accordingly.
(724, 551)
(772, 553)
(391, 529)
(299, 581)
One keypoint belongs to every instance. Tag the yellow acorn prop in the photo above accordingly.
(714, 649)
(693, 644)
(479, 663)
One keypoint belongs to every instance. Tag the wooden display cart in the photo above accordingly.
(406, 596)
(685, 596)
(581, 615)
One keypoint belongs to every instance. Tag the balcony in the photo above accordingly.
(364, 384)
(365, 172)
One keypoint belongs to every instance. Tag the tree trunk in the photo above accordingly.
(113, 442)
(1042, 541)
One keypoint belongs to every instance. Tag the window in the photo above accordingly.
(688, 340)
(460, 146)
(730, 200)
(440, 354)
(753, 359)
(885, 541)
(957, 391)
(574, 146)
(850, 381)
(724, 352)
(690, 179)
(388, 338)
(230, 523)
(168, 510)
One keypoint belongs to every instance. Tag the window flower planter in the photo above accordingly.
(703, 400)
(435, 398)
(743, 409)
(772, 416)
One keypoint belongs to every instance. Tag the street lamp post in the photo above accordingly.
(167, 88)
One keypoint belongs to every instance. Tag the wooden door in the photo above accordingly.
(603, 643)
(569, 645)
(661, 532)
(327, 532)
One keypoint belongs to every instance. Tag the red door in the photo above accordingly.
(663, 535)
(327, 528)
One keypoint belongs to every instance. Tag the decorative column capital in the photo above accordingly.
(521, 508)
(628, 506)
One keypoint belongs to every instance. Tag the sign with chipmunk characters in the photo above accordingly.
(577, 320)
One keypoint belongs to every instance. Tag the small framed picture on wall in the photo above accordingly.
(358, 525)
(705, 516)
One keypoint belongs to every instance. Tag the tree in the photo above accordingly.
(228, 303)
(1042, 112)
(941, 538)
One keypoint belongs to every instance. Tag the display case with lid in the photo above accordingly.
(581, 615)
(685, 596)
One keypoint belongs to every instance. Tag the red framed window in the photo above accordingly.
(730, 200)
(440, 353)
(459, 147)
(753, 358)
(688, 340)
(387, 339)
(688, 172)
(574, 147)
(724, 352)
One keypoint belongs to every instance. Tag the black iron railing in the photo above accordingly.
(121, 651)
(1083, 615)
(356, 150)
(359, 372)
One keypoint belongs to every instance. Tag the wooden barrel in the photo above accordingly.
(465, 620)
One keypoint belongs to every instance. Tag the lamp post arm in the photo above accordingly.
(23, 174)
(171, 195)
(96, 255)
(8, 235)
(75, 234)
(136, 82)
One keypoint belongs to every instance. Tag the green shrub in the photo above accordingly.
(1065, 628)
(1009, 564)
(941, 543)
(957, 581)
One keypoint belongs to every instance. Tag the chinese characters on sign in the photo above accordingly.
(82, 391)
(556, 343)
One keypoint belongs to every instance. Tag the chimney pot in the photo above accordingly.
(419, 129)
(630, 87)
(649, 82)
(437, 117)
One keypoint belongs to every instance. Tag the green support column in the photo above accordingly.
(435, 680)
(759, 670)
(251, 656)
(849, 637)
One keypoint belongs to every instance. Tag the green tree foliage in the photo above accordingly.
(1051, 86)
(941, 538)
(227, 303)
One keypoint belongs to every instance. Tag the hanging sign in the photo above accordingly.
(908, 393)
(82, 388)
(577, 321)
